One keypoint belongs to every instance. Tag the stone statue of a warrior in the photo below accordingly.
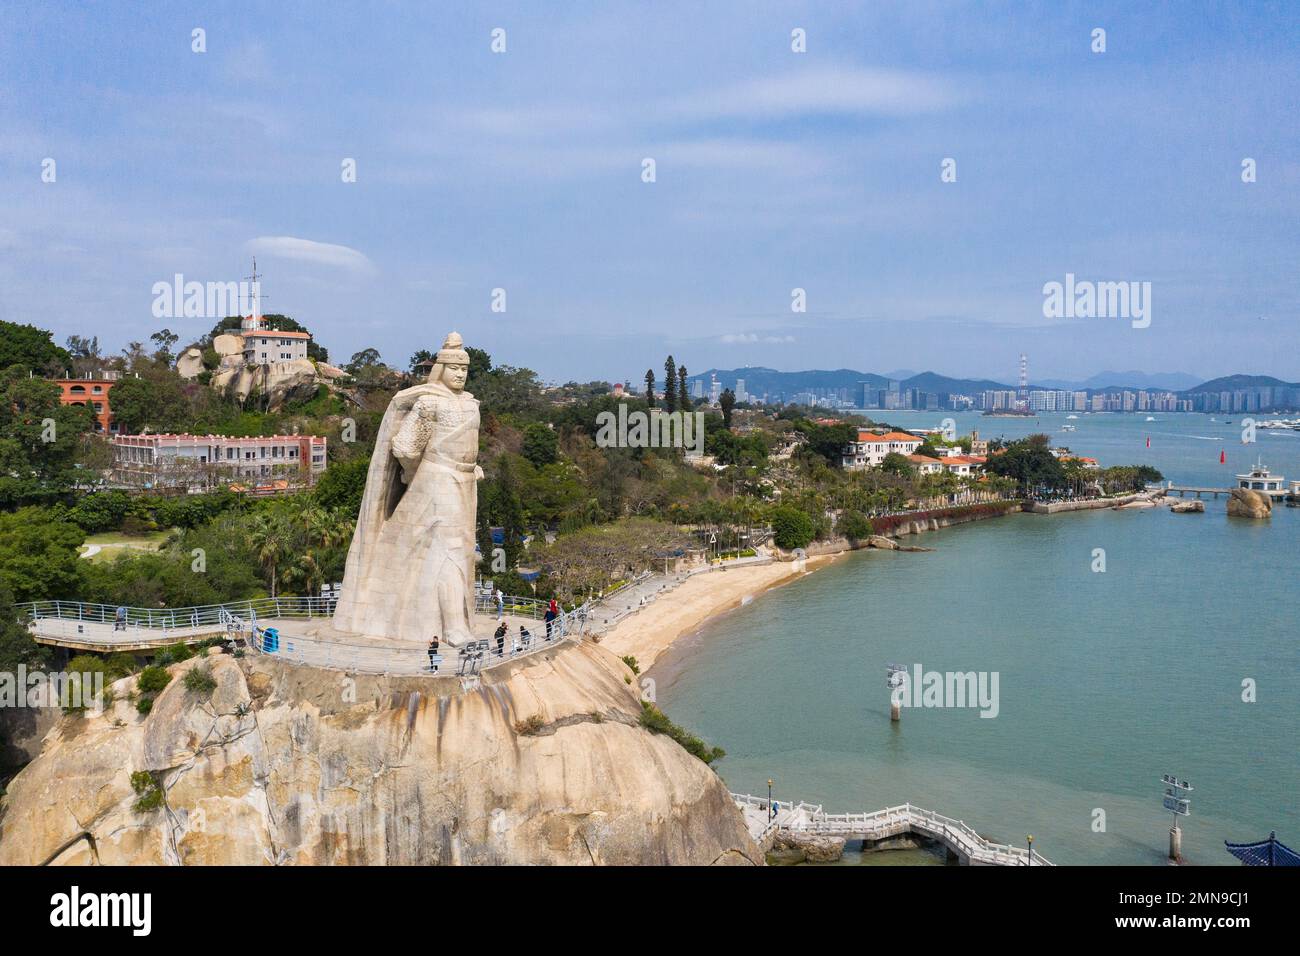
(410, 570)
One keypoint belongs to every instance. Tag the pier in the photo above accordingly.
(1183, 490)
(960, 840)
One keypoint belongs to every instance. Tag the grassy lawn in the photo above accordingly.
(107, 546)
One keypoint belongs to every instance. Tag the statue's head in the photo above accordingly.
(451, 365)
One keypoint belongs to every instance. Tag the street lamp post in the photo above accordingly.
(1030, 838)
(769, 799)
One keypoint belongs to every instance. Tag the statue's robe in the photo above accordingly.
(410, 569)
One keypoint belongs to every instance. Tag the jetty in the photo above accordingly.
(959, 839)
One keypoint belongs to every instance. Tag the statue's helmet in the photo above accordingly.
(453, 351)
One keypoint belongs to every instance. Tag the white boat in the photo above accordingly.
(1071, 416)
(1150, 419)
(1259, 478)
(1068, 428)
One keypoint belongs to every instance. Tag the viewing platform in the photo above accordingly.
(960, 840)
(295, 629)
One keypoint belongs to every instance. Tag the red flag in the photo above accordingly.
(1223, 458)
(1148, 441)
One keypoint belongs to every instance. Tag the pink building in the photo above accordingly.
(210, 459)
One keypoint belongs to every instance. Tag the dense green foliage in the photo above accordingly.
(654, 720)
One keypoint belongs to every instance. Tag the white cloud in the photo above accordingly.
(825, 90)
(751, 338)
(307, 250)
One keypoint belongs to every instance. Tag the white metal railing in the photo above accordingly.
(377, 659)
(806, 818)
(249, 621)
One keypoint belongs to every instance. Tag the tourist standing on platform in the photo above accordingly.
(501, 604)
(433, 654)
(552, 612)
(500, 635)
(119, 619)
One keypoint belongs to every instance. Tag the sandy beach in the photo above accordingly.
(649, 632)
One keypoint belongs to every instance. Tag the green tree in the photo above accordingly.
(155, 400)
(670, 393)
(650, 387)
(38, 555)
(791, 528)
(422, 355)
(683, 395)
(270, 539)
(165, 342)
(1030, 464)
(480, 364)
(16, 644)
(896, 464)
(541, 445)
(31, 348)
(343, 485)
(853, 525)
(728, 401)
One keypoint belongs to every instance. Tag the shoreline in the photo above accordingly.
(648, 637)
(649, 632)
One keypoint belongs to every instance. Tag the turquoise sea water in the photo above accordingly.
(1106, 680)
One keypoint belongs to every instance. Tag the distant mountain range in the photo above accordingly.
(759, 380)
(1169, 381)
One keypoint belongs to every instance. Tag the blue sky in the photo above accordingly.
(775, 170)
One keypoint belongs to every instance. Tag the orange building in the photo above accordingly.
(92, 392)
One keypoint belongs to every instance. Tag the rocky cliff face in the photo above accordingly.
(543, 762)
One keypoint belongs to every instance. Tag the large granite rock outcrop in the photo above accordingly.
(278, 382)
(1244, 503)
(543, 761)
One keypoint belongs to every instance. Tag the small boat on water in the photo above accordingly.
(1071, 416)
(1150, 419)
(1068, 428)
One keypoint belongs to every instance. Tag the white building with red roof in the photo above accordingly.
(871, 448)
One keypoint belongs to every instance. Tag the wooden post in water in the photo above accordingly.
(1175, 843)
(895, 708)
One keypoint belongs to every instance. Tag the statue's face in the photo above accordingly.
(455, 376)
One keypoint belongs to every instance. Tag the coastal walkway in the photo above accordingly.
(294, 629)
(960, 840)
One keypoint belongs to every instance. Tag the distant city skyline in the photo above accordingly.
(779, 177)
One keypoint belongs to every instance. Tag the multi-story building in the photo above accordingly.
(265, 347)
(91, 392)
(208, 460)
(871, 448)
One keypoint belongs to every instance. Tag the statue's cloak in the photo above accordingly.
(395, 584)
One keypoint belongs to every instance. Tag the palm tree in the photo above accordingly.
(269, 537)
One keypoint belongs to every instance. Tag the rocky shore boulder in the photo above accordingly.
(799, 847)
(539, 761)
(1245, 503)
(880, 541)
(1187, 507)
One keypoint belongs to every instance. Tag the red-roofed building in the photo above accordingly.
(871, 448)
(266, 347)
